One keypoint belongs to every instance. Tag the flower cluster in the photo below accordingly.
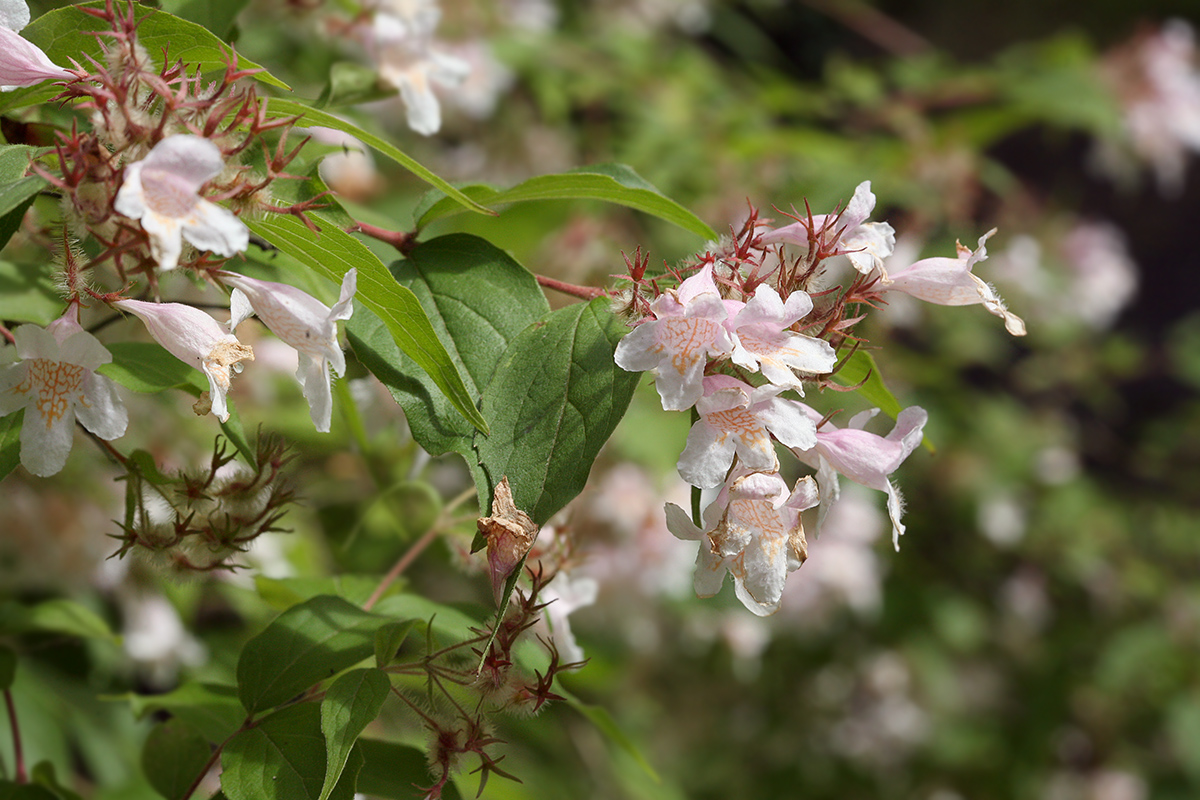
(737, 341)
(157, 183)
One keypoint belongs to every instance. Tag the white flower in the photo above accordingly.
(564, 595)
(22, 63)
(194, 338)
(752, 531)
(675, 346)
(401, 42)
(56, 383)
(736, 418)
(303, 322)
(764, 342)
(163, 191)
(864, 458)
(950, 282)
(865, 244)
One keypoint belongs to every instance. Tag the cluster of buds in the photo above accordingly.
(200, 521)
(738, 340)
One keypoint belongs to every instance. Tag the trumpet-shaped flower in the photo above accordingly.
(163, 191)
(950, 282)
(22, 63)
(736, 418)
(194, 338)
(864, 458)
(56, 383)
(303, 322)
(753, 532)
(764, 342)
(865, 244)
(687, 329)
(401, 39)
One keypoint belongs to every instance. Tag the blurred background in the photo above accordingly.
(1038, 633)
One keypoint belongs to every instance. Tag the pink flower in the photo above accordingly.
(22, 63)
(950, 282)
(401, 41)
(865, 244)
(687, 329)
(56, 383)
(738, 419)
(163, 191)
(194, 338)
(765, 344)
(303, 322)
(753, 532)
(864, 458)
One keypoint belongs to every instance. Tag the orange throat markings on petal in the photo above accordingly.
(686, 339)
(57, 384)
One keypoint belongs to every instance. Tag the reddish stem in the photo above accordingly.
(401, 565)
(585, 292)
(401, 240)
(18, 756)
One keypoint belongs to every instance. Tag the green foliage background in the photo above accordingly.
(1089, 675)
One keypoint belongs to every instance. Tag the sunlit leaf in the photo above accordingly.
(612, 183)
(350, 704)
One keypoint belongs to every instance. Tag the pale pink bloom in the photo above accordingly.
(753, 532)
(56, 383)
(401, 43)
(163, 191)
(950, 282)
(22, 63)
(566, 594)
(687, 329)
(197, 339)
(738, 419)
(303, 322)
(865, 244)
(864, 458)
(765, 344)
(1104, 276)
(1158, 86)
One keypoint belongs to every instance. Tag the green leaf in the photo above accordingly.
(212, 709)
(304, 645)
(217, 16)
(10, 442)
(25, 791)
(613, 183)
(478, 300)
(392, 771)
(283, 758)
(17, 190)
(604, 722)
(8, 667)
(283, 593)
(388, 640)
(350, 704)
(556, 398)
(28, 294)
(55, 616)
(147, 367)
(448, 622)
(351, 83)
(174, 755)
(68, 33)
(43, 775)
(331, 254)
(277, 107)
